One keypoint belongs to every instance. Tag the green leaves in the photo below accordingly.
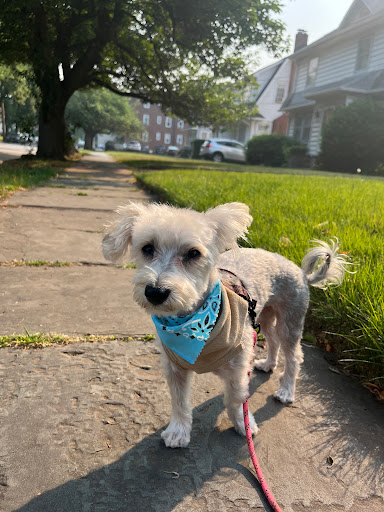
(188, 56)
(102, 111)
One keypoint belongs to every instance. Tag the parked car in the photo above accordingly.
(160, 150)
(120, 146)
(79, 144)
(109, 145)
(219, 150)
(145, 148)
(185, 152)
(133, 145)
(13, 138)
(172, 150)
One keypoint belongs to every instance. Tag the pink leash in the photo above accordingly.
(251, 448)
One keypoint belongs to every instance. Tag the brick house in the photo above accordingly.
(160, 130)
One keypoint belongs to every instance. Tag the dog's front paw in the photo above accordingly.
(240, 427)
(264, 364)
(285, 395)
(176, 435)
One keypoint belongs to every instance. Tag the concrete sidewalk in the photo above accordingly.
(80, 424)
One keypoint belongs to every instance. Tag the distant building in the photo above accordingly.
(335, 70)
(159, 129)
(272, 91)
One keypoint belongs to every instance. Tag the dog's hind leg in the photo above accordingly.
(178, 432)
(267, 320)
(290, 333)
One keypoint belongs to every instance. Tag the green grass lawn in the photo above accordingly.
(143, 161)
(288, 212)
(25, 173)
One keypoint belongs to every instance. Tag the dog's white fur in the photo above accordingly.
(278, 285)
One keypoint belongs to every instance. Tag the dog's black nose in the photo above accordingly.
(156, 296)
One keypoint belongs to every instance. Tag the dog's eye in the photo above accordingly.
(148, 250)
(192, 254)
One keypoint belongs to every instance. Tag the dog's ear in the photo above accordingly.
(116, 242)
(231, 221)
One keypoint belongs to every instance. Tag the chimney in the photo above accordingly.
(301, 40)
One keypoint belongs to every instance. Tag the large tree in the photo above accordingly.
(101, 111)
(173, 52)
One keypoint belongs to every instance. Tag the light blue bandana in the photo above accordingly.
(186, 336)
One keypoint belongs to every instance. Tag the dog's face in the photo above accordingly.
(175, 250)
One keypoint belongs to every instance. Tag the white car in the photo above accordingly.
(133, 145)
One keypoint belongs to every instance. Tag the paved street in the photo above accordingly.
(80, 424)
(9, 151)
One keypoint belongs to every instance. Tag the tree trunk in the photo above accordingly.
(88, 140)
(52, 134)
(3, 121)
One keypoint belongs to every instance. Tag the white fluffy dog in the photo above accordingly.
(178, 253)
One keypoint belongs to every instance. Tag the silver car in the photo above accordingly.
(133, 145)
(219, 150)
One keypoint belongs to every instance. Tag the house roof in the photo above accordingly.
(356, 20)
(265, 76)
(360, 9)
(363, 83)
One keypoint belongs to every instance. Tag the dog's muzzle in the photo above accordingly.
(156, 296)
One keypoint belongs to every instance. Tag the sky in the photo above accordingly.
(316, 17)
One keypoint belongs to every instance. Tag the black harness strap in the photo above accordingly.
(232, 282)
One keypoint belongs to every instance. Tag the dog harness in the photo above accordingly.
(208, 339)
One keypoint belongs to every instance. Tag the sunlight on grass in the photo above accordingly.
(24, 173)
(143, 161)
(41, 339)
(288, 212)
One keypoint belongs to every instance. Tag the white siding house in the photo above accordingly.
(344, 65)
(272, 91)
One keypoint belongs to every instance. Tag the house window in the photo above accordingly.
(280, 94)
(312, 71)
(263, 128)
(144, 136)
(180, 124)
(146, 119)
(167, 138)
(168, 122)
(179, 140)
(159, 119)
(158, 135)
(302, 128)
(146, 105)
(363, 51)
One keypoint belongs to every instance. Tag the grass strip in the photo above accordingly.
(35, 263)
(40, 340)
(42, 263)
(144, 162)
(24, 173)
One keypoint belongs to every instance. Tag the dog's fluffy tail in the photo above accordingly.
(323, 266)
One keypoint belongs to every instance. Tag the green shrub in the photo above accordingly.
(296, 150)
(354, 138)
(297, 157)
(269, 149)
